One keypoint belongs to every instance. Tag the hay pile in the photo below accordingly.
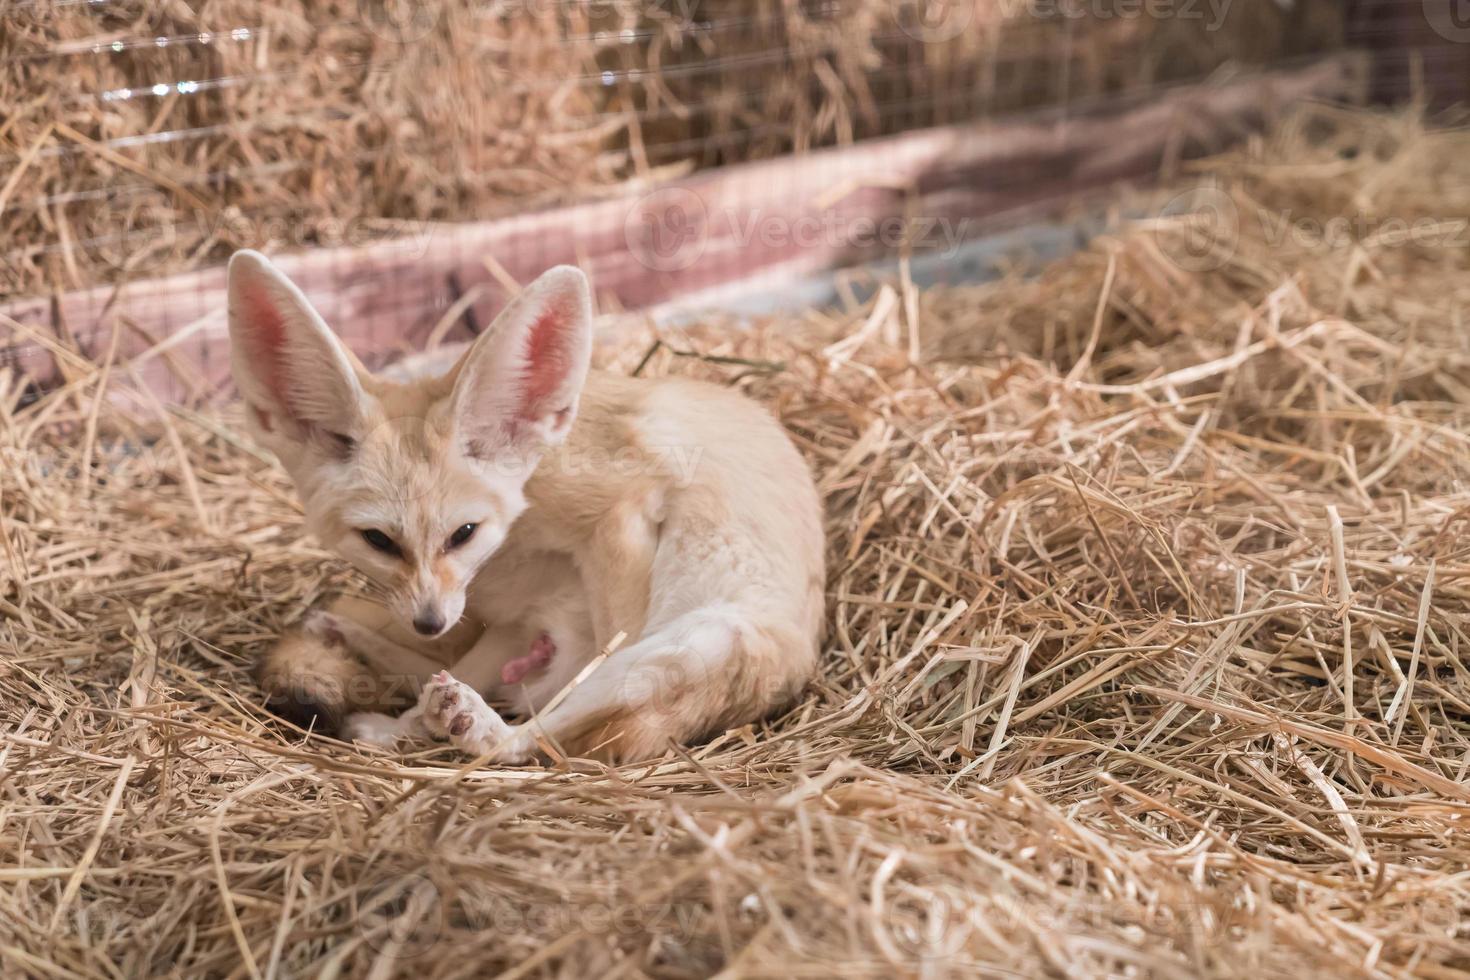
(144, 136)
(1147, 650)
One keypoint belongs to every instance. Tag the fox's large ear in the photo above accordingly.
(517, 387)
(292, 371)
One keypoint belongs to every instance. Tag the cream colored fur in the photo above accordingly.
(673, 512)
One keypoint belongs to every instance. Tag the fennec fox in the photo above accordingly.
(518, 512)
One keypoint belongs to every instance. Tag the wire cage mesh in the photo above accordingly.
(156, 138)
(145, 139)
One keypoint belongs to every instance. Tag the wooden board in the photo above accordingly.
(793, 216)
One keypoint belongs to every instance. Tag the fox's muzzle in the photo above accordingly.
(429, 621)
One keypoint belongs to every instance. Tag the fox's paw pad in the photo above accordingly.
(325, 627)
(372, 728)
(455, 711)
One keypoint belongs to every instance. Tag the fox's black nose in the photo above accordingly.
(430, 622)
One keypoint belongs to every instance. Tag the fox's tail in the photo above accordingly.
(314, 681)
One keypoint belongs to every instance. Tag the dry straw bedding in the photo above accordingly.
(1147, 620)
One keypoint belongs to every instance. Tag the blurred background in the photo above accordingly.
(424, 158)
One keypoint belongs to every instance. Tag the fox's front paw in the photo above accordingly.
(325, 627)
(455, 711)
(372, 728)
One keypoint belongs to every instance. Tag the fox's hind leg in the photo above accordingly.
(702, 672)
(311, 679)
(392, 665)
(305, 680)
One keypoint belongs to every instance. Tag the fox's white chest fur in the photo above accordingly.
(520, 497)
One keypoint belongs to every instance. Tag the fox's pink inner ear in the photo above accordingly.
(265, 338)
(519, 383)
(548, 358)
(294, 373)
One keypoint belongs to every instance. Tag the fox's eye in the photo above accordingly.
(462, 534)
(380, 541)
